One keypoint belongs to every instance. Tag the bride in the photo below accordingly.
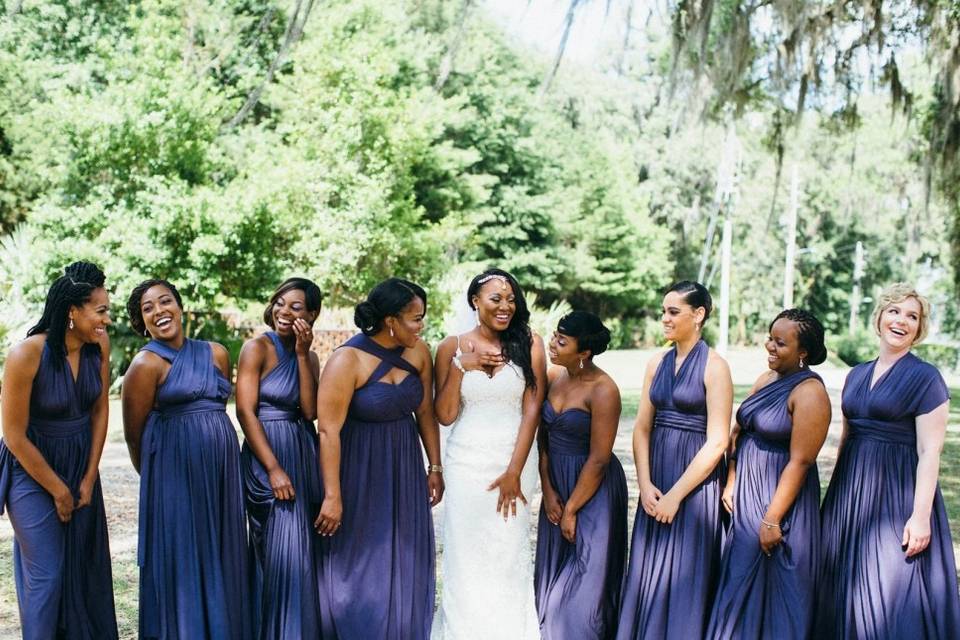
(490, 383)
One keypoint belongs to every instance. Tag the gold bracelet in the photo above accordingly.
(436, 468)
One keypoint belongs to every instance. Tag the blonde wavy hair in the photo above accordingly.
(897, 293)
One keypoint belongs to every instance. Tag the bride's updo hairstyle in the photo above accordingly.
(587, 329)
(516, 339)
(388, 298)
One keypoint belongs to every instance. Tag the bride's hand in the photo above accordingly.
(509, 485)
(473, 360)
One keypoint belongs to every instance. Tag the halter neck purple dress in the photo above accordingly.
(282, 538)
(377, 574)
(578, 585)
(192, 550)
(62, 571)
(870, 589)
(761, 597)
(674, 567)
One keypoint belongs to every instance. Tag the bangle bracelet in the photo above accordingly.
(770, 525)
(436, 468)
(459, 365)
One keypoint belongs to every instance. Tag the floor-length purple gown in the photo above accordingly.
(870, 589)
(192, 549)
(376, 573)
(673, 568)
(578, 584)
(760, 596)
(282, 538)
(62, 571)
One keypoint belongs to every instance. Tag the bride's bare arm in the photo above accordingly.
(509, 481)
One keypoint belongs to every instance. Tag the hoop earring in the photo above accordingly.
(581, 363)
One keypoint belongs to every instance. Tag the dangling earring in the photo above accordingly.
(71, 323)
(801, 363)
(476, 316)
(391, 332)
(145, 333)
(581, 363)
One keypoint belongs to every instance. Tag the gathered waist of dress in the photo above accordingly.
(60, 427)
(267, 411)
(204, 405)
(767, 444)
(561, 446)
(901, 433)
(673, 419)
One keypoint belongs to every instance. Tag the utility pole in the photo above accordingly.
(858, 266)
(725, 247)
(791, 241)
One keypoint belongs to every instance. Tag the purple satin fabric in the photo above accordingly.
(376, 573)
(578, 584)
(282, 539)
(870, 589)
(673, 570)
(62, 571)
(759, 596)
(194, 580)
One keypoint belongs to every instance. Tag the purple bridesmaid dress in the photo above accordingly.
(760, 596)
(192, 551)
(673, 568)
(376, 574)
(62, 571)
(870, 589)
(282, 539)
(578, 585)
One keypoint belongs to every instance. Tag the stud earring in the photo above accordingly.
(71, 323)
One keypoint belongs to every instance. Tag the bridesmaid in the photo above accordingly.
(192, 551)
(376, 570)
(582, 533)
(276, 405)
(888, 564)
(771, 556)
(679, 438)
(55, 386)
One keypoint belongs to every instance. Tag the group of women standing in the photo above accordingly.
(730, 539)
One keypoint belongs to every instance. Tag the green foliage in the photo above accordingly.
(944, 356)
(854, 348)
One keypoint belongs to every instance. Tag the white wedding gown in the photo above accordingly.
(487, 567)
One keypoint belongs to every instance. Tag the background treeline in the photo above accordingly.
(227, 144)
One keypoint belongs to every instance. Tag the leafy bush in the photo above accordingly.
(854, 348)
(943, 356)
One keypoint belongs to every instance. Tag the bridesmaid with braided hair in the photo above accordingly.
(55, 387)
(772, 553)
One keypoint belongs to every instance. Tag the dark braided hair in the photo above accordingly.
(587, 329)
(810, 333)
(388, 298)
(73, 289)
(312, 296)
(516, 339)
(133, 302)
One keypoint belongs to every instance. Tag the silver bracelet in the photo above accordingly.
(770, 525)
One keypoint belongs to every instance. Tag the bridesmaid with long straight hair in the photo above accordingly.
(55, 404)
(376, 559)
(772, 553)
(679, 439)
(276, 405)
(192, 548)
(582, 534)
(888, 563)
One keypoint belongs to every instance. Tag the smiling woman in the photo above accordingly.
(54, 425)
(192, 548)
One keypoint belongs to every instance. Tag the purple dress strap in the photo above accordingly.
(758, 593)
